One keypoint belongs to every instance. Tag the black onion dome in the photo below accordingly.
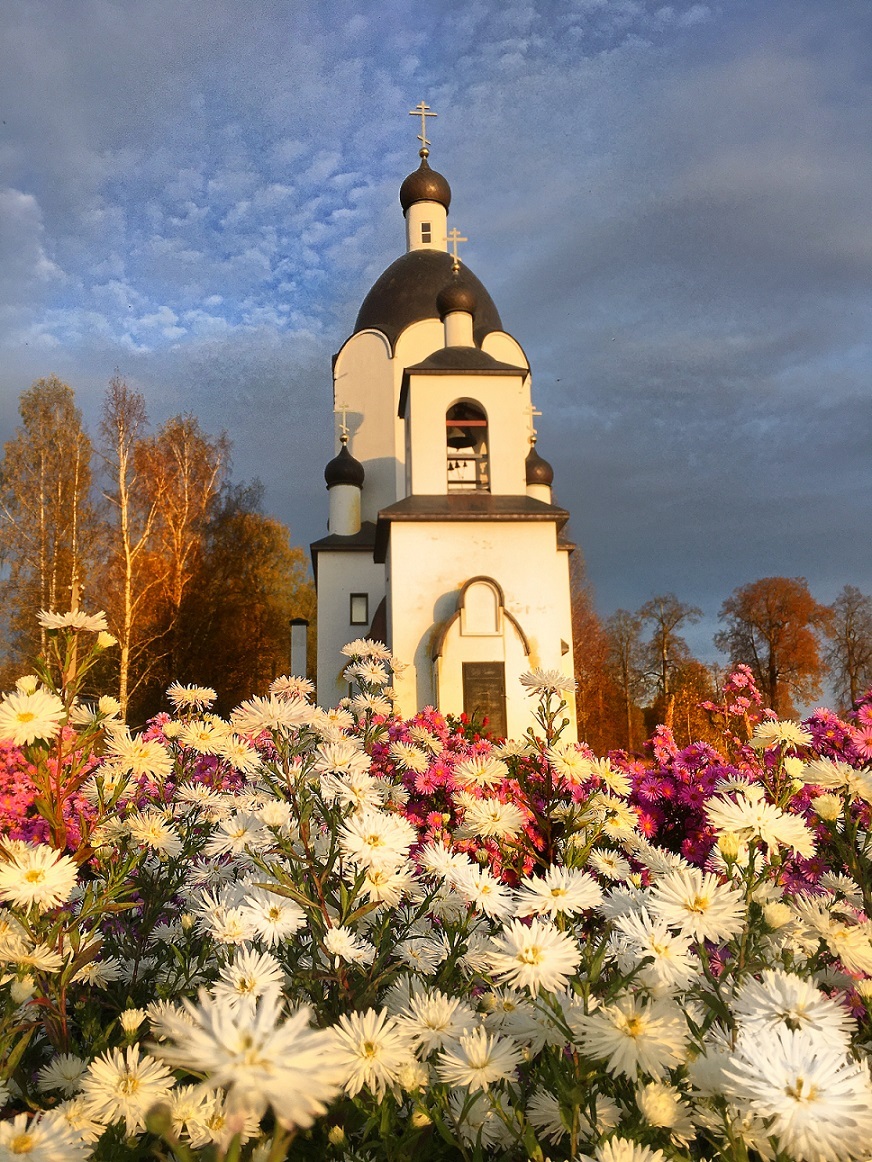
(425, 185)
(344, 469)
(407, 292)
(455, 297)
(539, 471)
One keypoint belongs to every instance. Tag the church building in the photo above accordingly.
(443, 540)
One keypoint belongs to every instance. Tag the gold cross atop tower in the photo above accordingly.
(532, 412)
(342, 408)
(423, 110)
(454, 237)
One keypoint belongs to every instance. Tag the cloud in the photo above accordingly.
(668, 203)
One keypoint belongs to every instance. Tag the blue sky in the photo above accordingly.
(669, 204)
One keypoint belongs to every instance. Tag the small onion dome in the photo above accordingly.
(539, 471)
(425, 185)
(344, 469)
(455, 297)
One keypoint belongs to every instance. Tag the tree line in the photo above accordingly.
(635, 669)
(196, 580)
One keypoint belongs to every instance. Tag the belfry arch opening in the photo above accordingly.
(466, 448)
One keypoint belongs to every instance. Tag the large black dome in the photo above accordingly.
(408, 290)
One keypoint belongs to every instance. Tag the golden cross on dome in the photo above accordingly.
(423, 110)
(454, 236)
(532, 412)
(343, 423)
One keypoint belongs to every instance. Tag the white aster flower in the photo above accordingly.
(46, 1137)
(750, 816)
(480, 887)
(481, 771)
(547, 682)
(357, 790)
(259, 1059)
(638, 937)
(561, 891)
(258, 714)
(123, 1086)
(376, 840)
(190, 697)
(609, 864)
(476, 1120)
(478, 1061)
(24, 718)
(536, 956)
(619, 1149)
(409, 757)
(661, 1105)
(634, 1035)
(366, 648)
(345, 756)
(783, 999)
(434, 1020)
(291, 686)
(698, 904)
(771, 732)
(272, 917)
(343, 944)
(248, 977)
(422, 953)
(75, 619)
(137, 756)
(63, 1073)
(492, 818)
(838, 775)
(151, 829)
(569, 762)
(242, 830)
(371, 704)
(36, 875)
(816, 1100)
(373, 1048)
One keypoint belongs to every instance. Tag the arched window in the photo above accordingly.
(467, 448)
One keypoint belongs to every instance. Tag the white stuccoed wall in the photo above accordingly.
(428, 563)
(340, 575)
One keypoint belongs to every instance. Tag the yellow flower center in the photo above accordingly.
(34, 875)
(698, 904)
(22, 1143)
(25, 716)
(128, 1085)
(368, 1049)
(530, 956)
(802, 1091)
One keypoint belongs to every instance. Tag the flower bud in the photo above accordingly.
(336, 1137)
(776, 915)
(828, 807)
(105, 640)
(420, 1119)
(23, 989)
(728, 846)
(187, 921)
(793, 768)
(131, 1019)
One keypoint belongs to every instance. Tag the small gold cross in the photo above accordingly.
(422, 110)
(454, 236)
(532, 413)
(343, 423)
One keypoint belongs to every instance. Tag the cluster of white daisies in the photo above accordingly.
(237, 966)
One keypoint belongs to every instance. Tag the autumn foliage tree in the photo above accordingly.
(46, 512)
(233, 630)
(774, 625)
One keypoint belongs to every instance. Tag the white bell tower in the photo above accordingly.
(443, 539)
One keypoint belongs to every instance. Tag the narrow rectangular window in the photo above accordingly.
(360, 609)
(426, 232)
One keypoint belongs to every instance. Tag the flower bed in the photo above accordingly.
(336, 934)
